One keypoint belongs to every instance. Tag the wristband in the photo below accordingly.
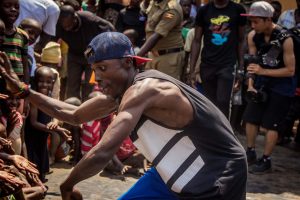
(23, 91)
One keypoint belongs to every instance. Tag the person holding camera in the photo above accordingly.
(272, 73)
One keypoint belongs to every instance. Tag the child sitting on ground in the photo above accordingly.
(75, 130)
(90, 134)
(19, 177)
(12, 120)
(127, 159)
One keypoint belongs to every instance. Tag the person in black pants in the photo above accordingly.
(222, 28)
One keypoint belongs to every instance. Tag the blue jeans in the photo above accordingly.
(149, 187)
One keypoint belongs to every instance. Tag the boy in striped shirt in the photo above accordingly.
(16, 40)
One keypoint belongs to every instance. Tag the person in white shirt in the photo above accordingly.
(46, 12)
(290, 18)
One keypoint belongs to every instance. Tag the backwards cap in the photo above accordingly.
(111, 45)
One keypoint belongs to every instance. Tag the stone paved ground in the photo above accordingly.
(282, 184)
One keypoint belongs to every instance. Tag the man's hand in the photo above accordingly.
(125, 169)
(34, 193)
(6, 146)
(23, 164)
(237, 85)
(3, 96)
(10, 181)
(69, 193)
(255, 69)
(34, 180)
(14, 117)
(66, 134)
(192, 79)
(52, 125)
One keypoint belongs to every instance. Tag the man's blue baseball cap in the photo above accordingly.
(111, 45)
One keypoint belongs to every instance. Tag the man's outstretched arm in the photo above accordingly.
(97, 107)
(94, 108)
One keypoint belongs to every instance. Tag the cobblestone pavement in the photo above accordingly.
(282, 184)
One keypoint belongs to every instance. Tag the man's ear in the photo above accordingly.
(129, 62)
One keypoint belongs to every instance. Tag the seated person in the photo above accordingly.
(18, 176)
(75, 151)
(12, 121)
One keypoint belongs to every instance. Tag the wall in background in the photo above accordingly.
(288, 4)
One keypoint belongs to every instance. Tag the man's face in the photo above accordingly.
(9, 10)
(112, 76)
(186, 7)
(258, 24)
(68, 22)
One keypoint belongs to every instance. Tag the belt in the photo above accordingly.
(166, 51)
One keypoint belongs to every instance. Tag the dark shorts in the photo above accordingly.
(269, 114)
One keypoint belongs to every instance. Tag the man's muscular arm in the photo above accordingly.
(289, 63)
(94, 108)
(135, 101)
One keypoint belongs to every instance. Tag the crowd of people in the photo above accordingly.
(63, 92)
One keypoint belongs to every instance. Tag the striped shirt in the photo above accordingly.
(15, 46)
(90, 135)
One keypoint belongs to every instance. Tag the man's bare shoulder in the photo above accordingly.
(150, 90)
(251, 34)
(288, 43)
(154, 86)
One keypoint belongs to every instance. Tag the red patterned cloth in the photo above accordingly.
(90, 135)
(127, 148)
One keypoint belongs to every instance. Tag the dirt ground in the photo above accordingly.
(282, 184)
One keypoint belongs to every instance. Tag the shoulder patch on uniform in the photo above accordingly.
(168, 15)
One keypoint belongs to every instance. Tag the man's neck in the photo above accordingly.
(221, 3)
(10, 30)
(269, 30)
(131, 77)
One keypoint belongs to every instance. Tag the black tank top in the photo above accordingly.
(203, 159)
(285, 86)
(263, 47)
